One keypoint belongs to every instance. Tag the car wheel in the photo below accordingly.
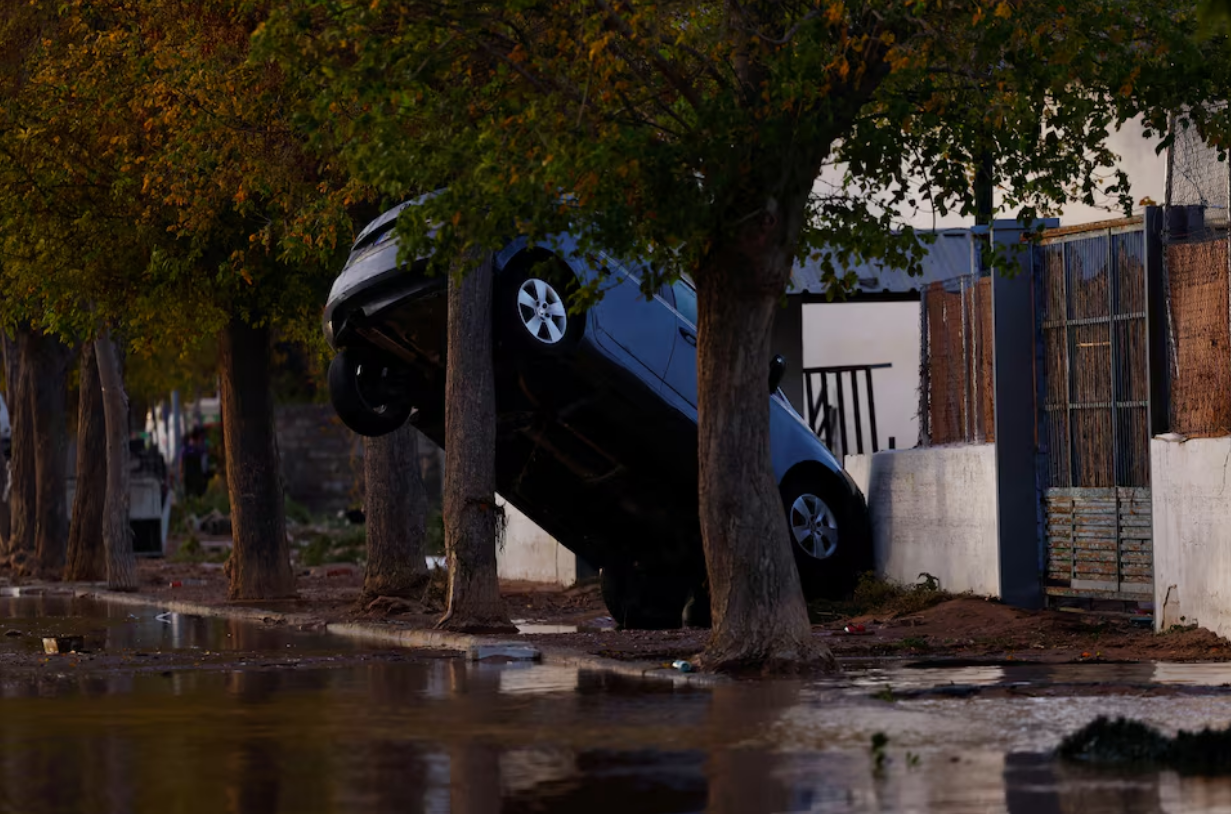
(643, 598)
(829, 534)
(364, 386)
(533, 308)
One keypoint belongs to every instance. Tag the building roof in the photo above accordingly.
(951, 255)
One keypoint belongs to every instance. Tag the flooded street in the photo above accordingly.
(254, 718)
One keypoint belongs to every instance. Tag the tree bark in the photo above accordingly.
(760, 620)
(22, 495)
(260, 562)
(470, 512)
(395, 509)
(48, 361)
(86, 556)
(121, 564)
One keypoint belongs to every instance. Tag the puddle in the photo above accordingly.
(446, 735)
(916, 677)
(114, 628)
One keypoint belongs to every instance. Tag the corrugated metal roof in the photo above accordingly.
(948, 257)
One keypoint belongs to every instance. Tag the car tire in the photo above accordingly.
(829, 534)
(532, 308)
(643, 598)
(361, 387)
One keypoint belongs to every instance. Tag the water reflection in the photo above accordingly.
(112, 628)
(446, 736)
(443, 736)
(927, 675)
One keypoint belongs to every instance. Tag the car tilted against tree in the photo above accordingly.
(596, 415)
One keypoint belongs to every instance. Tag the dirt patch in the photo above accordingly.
(979, 628)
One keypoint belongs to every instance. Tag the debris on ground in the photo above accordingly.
(1124, 743)
(60, 645)
(504, 652)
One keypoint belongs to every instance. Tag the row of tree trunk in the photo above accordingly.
(36, 537)
(37, 540)
(395, 501)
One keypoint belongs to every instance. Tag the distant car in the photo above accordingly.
(597, 416)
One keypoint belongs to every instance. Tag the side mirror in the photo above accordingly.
(777, 369)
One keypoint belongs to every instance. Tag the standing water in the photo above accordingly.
(182, 714)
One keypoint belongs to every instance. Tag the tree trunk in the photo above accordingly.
(260, 562)
(395, 509)
(470, 511)
(121, 564)
(49, 386)
(22, 495)
(86, 557)
(760, 620)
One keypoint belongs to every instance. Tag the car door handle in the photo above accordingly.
(689, 336)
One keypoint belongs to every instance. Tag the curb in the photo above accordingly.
(408, 638)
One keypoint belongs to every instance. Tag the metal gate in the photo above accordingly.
(1094, 413)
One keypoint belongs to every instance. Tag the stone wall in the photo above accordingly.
(322, 465)
(322, 461)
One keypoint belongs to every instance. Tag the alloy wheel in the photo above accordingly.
(814, 528)
(542, 311)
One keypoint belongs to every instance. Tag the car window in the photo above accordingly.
(664, 293)
(685, 301)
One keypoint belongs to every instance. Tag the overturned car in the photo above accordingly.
(596, 416)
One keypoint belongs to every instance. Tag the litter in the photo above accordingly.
(58, 645)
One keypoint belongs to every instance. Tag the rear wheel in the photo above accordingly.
(829, 534)
(643, 597)
(367, 389)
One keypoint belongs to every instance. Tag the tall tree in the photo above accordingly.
(121, 565)
(154, 116)
(395, 515)
(471, 515)
(699, 136)
(49, 363)
(54, 180)
(87, 560)
(260, 564)
(20, 544)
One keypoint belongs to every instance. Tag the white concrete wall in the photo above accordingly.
(872, 333)
(934, 511)
(1192, 532)
(530, 554)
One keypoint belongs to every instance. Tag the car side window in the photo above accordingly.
(685, 301)
(664, 294)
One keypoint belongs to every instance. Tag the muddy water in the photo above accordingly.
(443, 735)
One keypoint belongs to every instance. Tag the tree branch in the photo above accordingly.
(664, 66)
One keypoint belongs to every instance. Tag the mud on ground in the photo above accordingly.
(961, 628)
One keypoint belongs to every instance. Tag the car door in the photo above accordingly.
(641, 330)
(682, 370)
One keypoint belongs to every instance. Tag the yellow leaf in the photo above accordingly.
(1004, 9)
(457, 218)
